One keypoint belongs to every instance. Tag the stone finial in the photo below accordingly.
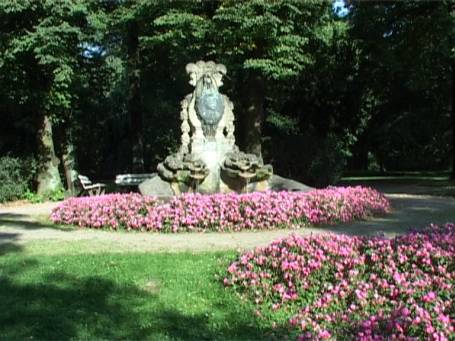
(199, 69)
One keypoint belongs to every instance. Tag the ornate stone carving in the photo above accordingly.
(185, 126)
(208, 159)
(187, 170)
(248, 167)
(209, 105)
(208, 113)
(229, 121)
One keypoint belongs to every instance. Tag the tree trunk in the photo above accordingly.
(450, 8)
(48, 175)
(68, 166)
(134, 99)
(452, 112)
(254, 114)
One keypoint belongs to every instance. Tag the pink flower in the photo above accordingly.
(367, 300)
(222, 212)
(429, 297)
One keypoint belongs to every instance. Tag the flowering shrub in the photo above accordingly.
(110, 210)
(222, 212)
(341, 287)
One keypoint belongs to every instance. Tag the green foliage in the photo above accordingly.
(405, 69)
(318, 161)
(50, 47)
(35, 198)
(272, 38)
(110, 74)
(14, 179)
(329, 162)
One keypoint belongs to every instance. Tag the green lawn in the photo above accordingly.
(122, 296)
(424, 183)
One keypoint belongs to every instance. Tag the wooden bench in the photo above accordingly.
(89, 187)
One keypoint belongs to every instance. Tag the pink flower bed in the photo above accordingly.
(222, 212)
(110, 210)
(355, 288)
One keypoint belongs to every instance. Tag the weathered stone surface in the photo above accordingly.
(246, 166)
(208, 160)
(206, 114)
(212, 153)
(186, 171)
(242, 172)
(156, 187)
(279, 183)
(209, 106)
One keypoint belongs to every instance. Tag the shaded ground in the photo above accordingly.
(126, 296)
(435, 185)
(26, 226)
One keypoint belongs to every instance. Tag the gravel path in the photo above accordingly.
(23, 224)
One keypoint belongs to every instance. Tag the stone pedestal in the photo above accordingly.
(213, 154)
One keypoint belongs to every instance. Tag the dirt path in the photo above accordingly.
(27, 225)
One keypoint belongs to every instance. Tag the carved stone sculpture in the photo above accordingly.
(245, 166)
(206, 114)
(208, 160)
(240, 169)
(184, 173)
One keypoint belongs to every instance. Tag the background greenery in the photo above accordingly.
(95, 86)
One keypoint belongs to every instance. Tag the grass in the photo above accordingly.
(132, 296)
(423, 183)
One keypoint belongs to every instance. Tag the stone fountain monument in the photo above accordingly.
(208, 160)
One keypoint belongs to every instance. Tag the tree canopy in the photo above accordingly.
(95, 85)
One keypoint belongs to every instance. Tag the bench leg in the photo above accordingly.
(98, 191)
(94, 191)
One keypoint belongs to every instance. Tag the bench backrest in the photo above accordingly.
(84, 181)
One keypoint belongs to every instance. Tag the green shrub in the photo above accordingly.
(329, 161)
(57, 195)
(35, 198)
(316, 160)
(14, 178)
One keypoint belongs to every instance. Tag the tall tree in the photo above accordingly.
(36, 38)
(450, 6)
(405, 50)
(262, 43)
(127, 28)
(266, 42)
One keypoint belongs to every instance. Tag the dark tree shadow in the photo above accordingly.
(178, 326)
(21, 221)
(64, 307)
(9, 243)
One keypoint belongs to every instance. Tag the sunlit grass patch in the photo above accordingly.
(110, 296)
